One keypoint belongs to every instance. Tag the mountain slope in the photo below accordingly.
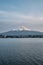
(22, 33)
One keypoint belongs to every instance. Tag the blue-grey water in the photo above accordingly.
(21, 51)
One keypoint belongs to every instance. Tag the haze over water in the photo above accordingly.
(21, 51)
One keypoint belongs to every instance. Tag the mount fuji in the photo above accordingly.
(22, 32)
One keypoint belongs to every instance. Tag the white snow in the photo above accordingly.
(21, 28)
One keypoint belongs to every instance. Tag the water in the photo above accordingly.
(21, 51)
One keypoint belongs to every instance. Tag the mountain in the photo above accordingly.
(22, 32)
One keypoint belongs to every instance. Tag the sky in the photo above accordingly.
(16, 13)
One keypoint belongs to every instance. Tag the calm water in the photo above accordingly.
(21, 51)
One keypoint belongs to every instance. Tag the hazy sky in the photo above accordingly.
(15, 13)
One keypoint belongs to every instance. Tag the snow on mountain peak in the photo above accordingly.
(21, 28)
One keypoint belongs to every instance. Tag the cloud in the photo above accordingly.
(11, 16)
(10, 20)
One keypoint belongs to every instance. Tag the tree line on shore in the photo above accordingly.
(21, 36)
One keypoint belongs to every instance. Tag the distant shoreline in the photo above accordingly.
(21, 36)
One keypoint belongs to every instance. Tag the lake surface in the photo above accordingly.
(21, 51)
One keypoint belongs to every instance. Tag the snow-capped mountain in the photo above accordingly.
(21, 31)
